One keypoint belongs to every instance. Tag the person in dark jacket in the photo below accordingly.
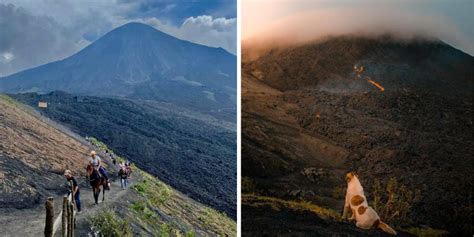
(75, 189)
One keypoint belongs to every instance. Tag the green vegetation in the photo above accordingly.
(165, 230)
(277, 204)
(157, 199)
(156, 192)
(426, 232)
(107, 223)
(394, 202)
(214, 220)
(248, 185)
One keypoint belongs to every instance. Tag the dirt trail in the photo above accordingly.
(30, 222)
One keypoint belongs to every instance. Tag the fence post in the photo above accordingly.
(64, 217)
(49, 224)
(73, 218)
(69, 219)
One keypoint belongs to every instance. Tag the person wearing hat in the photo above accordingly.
(96, 162)
(75, 189)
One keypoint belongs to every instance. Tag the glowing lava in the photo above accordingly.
(376, 84)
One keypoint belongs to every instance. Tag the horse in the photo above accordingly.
(96, 180)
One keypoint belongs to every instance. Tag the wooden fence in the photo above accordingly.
(67, 217)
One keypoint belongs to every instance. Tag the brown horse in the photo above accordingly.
(96, 180)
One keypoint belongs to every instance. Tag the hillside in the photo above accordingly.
(194, 153)
(35, 151)
(33, 156)
(137, 61)
(396, 64)
(307, 118)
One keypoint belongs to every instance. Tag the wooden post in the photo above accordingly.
(49, 224)
(68, 220)
(64, 217)
(73, 218)
(70, 224)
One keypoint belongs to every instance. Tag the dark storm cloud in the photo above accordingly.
(28, 41)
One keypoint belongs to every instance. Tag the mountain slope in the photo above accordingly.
(395, 64)
(307, 119)
(33, 156)
(193, 154)
(138, 61)
(34, 152)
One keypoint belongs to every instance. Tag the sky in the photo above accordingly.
(301, 20)
(35, 32)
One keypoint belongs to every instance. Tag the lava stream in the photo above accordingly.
(376, 84)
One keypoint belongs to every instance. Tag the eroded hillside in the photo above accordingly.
(33, 156)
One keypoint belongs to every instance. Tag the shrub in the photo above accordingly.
(248, 185)
(427, 232)
(394, 202)
(165, 230)
(190, 233)
(107, 223)
(138, 206)
(212, 219)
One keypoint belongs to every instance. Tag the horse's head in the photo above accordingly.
(89, 170)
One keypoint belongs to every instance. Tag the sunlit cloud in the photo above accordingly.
(301, 21)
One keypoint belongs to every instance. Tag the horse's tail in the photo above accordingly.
(386, 228)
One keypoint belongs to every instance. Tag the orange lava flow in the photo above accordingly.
(376, 84)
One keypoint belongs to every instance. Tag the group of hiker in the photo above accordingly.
(96, 162)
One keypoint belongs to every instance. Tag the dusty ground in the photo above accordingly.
(34, 155)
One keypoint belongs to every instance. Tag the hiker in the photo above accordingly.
(123, 174)
(112, 156)
(96, 162)
(75, 189)
(128, 167)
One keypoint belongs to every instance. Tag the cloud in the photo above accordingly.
(28, 41)
(6, 57)
(292, 23)
(206, 30)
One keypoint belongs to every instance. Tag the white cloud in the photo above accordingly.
(6, 57)
(206, 30)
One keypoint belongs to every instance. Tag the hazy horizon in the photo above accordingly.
(302, 21)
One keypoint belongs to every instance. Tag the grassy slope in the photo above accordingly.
(154, 208)
(303, 217)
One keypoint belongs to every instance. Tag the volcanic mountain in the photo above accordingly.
(138, 61)
(398, 112)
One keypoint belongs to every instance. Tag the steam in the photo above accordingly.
(315, 25)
